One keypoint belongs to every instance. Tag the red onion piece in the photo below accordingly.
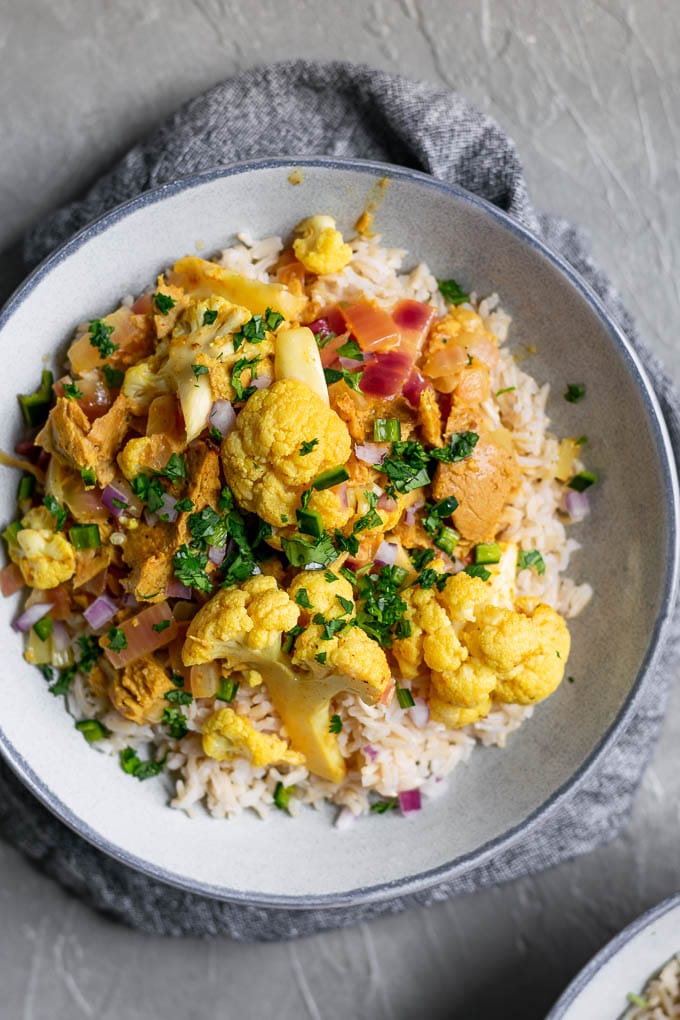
(140, 635)
(129, 599)
(216, 555)
(150, 518)
(387, 373)
(168, 511)
(330, 321)
(576, 504)
(386, 503)
(177, 590)
(413, 387)
(31, 616)
(420, 713)
(351, 364)
(222, 416)
(342, 495)
(60, 636)
(370, 453)
(11, 580)
(411, 511)
(409, 800)
(261, 382)
(386, 554)
(100, 612)
(110, 494)
(142, 305)
(370, 752)
(413, 317)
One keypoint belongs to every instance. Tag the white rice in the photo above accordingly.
(661, 997)
(405, 755)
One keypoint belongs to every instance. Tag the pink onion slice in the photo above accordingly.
(216, 555)
(386, 503)
(168, 511)
(177, 590)
(111, 493)
(351, 364)
(99, 612)
(409, 800)
(420, 713)
(261, 382)
(411, 511)
(386, 554)
(370, 752)
(370, 453)
(31, 616)
(222, 416)
(576, 504)
(60, 637)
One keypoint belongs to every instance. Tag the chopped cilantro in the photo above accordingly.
(177, 679)
(380, 605)
(200, 370)
(72, 391)
(227, 689)
(117, 640)
(131, 763)
(574, 393)
(459, 447)
(282, 795)
(582, 481)
(333, 375)
(209, 316)
(570, 679)
(301, 551)
(380, 807)
(242, 393)
(307, 446)
(371, 519)
(329, 628)
(346, 543)
(351, 349)
(421, 557)
(289, 638)
(252, 331)
(335, 725)
(63, 684)
(272, 319)
(59, 512)
(114, 377)
(184, 506)
(90, 651)
(160, 626)
(89, 476)
(531, 558)
(321, 657)
(478, 570)
(175, 469)
(324, 337)
(175, 722)
(100, 337)
(208, 528)
(406, 467)
(215, 434)
(302, 598)
(429, 577)
(178, 697)
(149, 490)
(330, 576)
(506, 389)
(163, 302)
(452, 292)
(92, 730)
(346, 604)
(189, 567)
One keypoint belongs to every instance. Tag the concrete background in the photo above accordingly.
(590, 91)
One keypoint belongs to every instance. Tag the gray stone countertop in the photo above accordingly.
(590, 90)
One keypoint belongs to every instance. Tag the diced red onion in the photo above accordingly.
(129, 599)
(216, 555)
(60, 636)
(413, 387)
(176, 590)
(109, 494)
(100, 612)
(150, 518)
(222, 416)
(168, 511)
(386, 503)
(370, 752)
(409, 800)
(351, 364)
(576, 504)
(31, 616)
(386, 554)
(261, 382)
(370, 453)
(411, 511)
(345, 819)
(420, 713)
(342, 495)
(11, 580)
(386, 374)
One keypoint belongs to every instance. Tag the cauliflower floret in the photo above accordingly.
(46, 559)
(137, 692)
(321, 595)
(527, 650)
(144, 382)
(476, 645)
(321, 249)
(262, 456)
(238, 622)
(227, 735)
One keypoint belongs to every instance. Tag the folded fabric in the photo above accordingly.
(305, 108)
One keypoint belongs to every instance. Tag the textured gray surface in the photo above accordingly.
(588, 91)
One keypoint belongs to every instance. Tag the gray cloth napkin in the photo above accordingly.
(304, 108)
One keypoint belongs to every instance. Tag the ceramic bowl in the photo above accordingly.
(629, 542)
(625, 965)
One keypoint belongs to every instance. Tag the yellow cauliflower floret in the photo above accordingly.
(433, 641)
(467, 685)
(144, 382)
(235, 620)
(454, 716)
(321, 249)
(262, 458)
(227, 735)
(45, 558)
(527, 650)
(323, 595)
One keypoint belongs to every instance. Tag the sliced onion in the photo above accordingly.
(140, 635)
(261, 382)
(222, 416)
(100, 612)
(576, 504)
(168, 511)
(342, 495)
(31, 616)
(351, 364)
(414, 387)
(411, 511)
(176, 590)
(370, 453)
(420, 713)
(204, 680)
(346, 818)
(386, 554)
(216, 555)
(121, 491)
(386, 503)
(370, 752)
(108, 495)
(11, 580)
(60, 637)
(409, 800)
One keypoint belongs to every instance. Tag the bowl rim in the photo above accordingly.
(409, 884)
(611, 949)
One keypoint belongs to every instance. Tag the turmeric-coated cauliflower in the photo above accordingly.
(137, 691)
(321, 249)
(475, 648)
(45, 558)
(239, 622)
(264, 458)
(227, 735)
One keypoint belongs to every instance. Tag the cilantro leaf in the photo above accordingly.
(239, 367)
(452, 292)
(371, 519)
(531, 558)
(163, 302)
(307, 446)
(302, 598)
(406, 467)
(59, 512)
(189, 567)
(459, 447)
(178, 697)
(301, 551)
(335, 725)
(574, 393)
(117, 640)
(114, 377)
(209, 316)
(351, 349)
(131, 763)
(100, 337)
(175, 469)
(72, 391)
(333, 375)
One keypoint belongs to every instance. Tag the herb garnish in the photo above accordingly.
(59, 512)
(131, 763)
(335, 725)
(452, 292)
(531, 558)
(200, 370)
(238, 369)
(189, 567)
(307, 446)
(163, 302)
(209, 316)
(114, 377)
(574, 393)
(117, 640)
(100, 337)
(72, 391)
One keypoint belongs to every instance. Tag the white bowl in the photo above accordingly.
(625, 965)
(500, 794)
